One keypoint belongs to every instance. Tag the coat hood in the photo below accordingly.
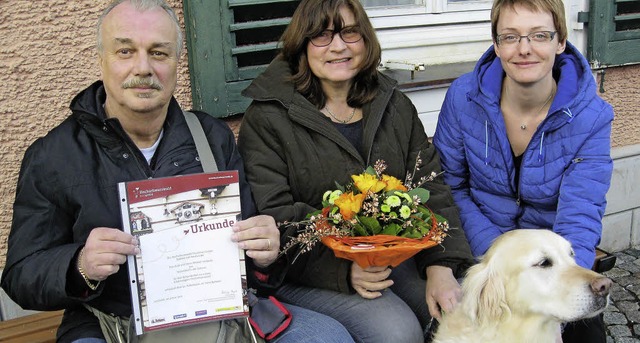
(91, 100)
(576, 84)
(273, 84)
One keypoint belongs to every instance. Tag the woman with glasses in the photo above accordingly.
(320, 113)
(525, 139)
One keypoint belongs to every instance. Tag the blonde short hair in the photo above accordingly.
(555, 7)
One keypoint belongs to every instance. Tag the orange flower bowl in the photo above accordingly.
(378, 250)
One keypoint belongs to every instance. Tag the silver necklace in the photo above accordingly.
(523, 126)
(340, 120)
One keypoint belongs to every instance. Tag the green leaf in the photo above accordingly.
(440, 218)
(392, 229)
(340, 187)
(413, 234)
(422, 193)
(358, 230)
(423, 228)
(370, 171)
(371, 224)
(314, 213)
(426, 213)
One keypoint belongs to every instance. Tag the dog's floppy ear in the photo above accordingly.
(484, 293)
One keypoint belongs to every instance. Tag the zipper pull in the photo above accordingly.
(577, 160)
(518, 201)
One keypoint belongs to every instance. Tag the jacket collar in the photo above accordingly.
(275, 84)
(88, 111)
(576, 85)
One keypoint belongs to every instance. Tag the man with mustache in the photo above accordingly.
(66, 249)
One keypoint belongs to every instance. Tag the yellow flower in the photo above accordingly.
(393, 184)
(349, 204)
(368, 183)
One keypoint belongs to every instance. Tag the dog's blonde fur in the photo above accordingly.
(525, 286)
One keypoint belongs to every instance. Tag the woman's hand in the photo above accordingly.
(371, 281)
(260, 237)
(443, 290)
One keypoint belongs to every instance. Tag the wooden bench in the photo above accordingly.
(34, 328)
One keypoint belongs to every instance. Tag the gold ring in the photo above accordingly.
(268, 244)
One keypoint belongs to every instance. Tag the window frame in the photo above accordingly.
(429, 7)
(436, 29)
(607, 47)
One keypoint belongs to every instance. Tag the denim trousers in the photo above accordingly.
(306, 327)
(399, 315)
(312, 327)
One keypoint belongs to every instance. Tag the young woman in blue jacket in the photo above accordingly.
(524, 139)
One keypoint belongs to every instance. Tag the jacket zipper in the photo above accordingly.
(518, 200)
(142, 167)
(124, 138)
(518, 194)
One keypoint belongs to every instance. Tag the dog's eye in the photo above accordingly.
(545, 263)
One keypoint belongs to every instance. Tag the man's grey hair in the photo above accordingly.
(142, 5)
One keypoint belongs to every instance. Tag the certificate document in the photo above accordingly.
(189, 270)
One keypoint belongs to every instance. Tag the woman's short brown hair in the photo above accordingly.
(309, 20)
(555, 7)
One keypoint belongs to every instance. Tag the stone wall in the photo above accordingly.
(621, 224)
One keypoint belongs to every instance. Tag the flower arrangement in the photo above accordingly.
(374, 220)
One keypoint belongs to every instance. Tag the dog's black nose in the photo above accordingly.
(601, 286)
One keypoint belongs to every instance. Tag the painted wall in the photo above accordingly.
(47, 55)
(623, 93)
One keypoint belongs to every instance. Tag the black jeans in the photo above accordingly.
(590, 330)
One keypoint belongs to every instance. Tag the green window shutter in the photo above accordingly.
(230, 42)
(614, 32)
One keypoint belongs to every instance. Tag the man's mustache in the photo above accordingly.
(142, 82)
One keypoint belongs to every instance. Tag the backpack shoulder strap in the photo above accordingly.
(202, 144)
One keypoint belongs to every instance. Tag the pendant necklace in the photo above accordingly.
(339, 120)
(523, 126)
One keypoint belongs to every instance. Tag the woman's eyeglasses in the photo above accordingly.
(349, 34)
(538, 37)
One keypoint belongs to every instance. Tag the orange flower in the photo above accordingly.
(349, 204)
(368, 183)
(393, 184)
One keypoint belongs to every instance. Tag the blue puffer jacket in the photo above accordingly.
(566, 168)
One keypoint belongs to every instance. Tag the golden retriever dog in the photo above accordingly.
(524, 287)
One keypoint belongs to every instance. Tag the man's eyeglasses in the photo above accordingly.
(349, 34)
(533, 38)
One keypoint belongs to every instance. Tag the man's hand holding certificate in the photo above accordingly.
(190, 269)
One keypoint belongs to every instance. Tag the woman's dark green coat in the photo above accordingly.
(293, 154)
